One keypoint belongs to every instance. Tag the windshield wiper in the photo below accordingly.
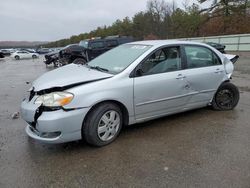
(99, 68)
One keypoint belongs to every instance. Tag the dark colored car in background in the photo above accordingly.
(89, 49)
(43, 51)
(52, 57)
(217, 46)
(1, 55)
(5, 52)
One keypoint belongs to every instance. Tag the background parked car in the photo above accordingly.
(217, 46)
(52, 57)
(23, 54)
(89, 49)
(43, 51)
(29, 50)
(5, 52)
(1, 55)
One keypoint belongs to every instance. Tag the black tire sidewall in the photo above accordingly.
(79, 61)
(235, 92)
(17, 57)
(90, 126)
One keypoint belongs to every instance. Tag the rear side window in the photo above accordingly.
(198, 56)
(95, 45)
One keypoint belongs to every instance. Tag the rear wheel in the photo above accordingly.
(103, 124)
(17, 57)
(34, 56)
(80, 61)
(226, 98)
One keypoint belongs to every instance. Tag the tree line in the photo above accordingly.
(162, 20)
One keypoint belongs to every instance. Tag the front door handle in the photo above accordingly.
(180, 77)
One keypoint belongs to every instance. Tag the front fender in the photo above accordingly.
(86, 96)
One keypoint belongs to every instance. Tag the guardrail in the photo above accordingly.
(240, 42)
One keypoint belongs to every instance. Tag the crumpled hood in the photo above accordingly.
(68, 75)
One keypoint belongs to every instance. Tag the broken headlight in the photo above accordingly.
(55, 99)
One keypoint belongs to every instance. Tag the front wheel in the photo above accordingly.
(103, 124)
(34, 56)
(226, 97)
(17, 57)
(80, 61)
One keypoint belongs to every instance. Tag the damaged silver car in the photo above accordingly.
(132, 83)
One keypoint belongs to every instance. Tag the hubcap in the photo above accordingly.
(225, 99)
(109, 125)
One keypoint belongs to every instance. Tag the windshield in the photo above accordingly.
(84, 43)
(119, 58)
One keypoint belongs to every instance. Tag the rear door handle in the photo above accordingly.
(180, 77)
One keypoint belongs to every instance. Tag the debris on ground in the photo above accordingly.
(165, 168)
(15, 115)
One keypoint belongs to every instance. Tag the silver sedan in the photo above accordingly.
(132, 83)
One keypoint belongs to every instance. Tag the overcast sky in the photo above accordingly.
(49, 20)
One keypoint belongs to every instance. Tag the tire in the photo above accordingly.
(17, 57)
(226, 97)
(79, 61)
(98, 129)
(34, 56)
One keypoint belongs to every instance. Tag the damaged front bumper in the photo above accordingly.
(52, 126)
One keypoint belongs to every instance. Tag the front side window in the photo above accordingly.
(198, 56)
(164, 60)
(84, 43)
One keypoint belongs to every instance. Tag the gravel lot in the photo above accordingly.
(201, 148)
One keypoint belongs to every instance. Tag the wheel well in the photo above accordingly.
(225, 81)
(119, 104)
(80, 58)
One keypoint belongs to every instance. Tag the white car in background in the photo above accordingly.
(23, 54)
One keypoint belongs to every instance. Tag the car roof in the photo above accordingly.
(158, 43)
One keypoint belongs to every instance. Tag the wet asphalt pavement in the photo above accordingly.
(200, 148)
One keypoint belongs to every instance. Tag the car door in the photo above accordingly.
(27, 54)
(159, 85)
(204, 73)
(21, 54)
(24, 54)
(96, 49)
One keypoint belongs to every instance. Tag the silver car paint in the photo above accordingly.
(144, 97)
(67, 75)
